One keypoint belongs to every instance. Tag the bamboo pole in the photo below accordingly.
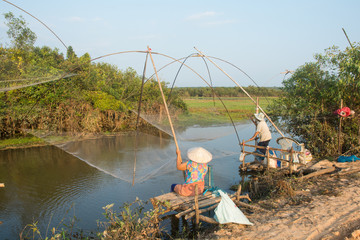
(138, 118)
(238, 192)
(242, 90)
(165, 104)
(207, 219)
(268, 158)
(243, 149)
(196, 206)
(347, 38)
(291, 160)
(191, 214)
(164, 100)
(339, 132)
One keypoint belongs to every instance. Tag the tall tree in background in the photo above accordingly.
(20, 35)
(313, 93)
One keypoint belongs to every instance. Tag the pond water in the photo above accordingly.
(50, 185)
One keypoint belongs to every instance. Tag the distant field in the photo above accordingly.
(207, 111)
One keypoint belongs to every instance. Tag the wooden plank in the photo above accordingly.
(209, 202)
(196, 205)
(191, 214)
(176, 200)
(203, 204)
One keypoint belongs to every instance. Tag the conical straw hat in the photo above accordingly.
(199, 155)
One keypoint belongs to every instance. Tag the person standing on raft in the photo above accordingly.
(195, 171)
(263, 131)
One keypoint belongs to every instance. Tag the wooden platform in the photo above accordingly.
(189, 207)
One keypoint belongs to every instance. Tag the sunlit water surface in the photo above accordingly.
(50, 185)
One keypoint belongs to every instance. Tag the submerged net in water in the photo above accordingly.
(137, 156)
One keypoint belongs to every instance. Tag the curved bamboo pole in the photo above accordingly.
(242, 90)
(138, 117)
(182, 64)
(163, 97)
(39, 22)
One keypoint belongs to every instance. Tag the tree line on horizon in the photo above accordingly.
(187, 92)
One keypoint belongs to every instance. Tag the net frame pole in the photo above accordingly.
(163, 97)
(252, 99)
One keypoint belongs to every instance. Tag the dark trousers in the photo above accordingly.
(263, 144)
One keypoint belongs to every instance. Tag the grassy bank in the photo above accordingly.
(201, 111)
(24, 141)
(206, 111)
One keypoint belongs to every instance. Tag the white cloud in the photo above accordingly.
(218, 23)
(145, 37)
(75, 19)
(97, 19)
(201, 15)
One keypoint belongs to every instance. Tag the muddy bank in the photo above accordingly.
(321, 207)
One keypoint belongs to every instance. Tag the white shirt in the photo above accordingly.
(264, 131)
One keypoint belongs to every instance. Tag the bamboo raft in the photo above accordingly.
(189, 207)
(286, 156)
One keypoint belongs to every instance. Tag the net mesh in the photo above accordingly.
(8, 85)
(137, 156)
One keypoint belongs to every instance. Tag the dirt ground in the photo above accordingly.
(321, 207)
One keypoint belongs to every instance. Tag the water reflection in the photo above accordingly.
(43, 183)
(39, 182)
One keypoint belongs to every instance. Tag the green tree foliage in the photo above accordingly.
(20, 35)
(313, 93)
(97, 98)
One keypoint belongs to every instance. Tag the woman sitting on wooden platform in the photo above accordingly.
(195, 171)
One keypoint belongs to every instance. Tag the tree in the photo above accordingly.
(313, 93)
(70, 54)
(21, 36)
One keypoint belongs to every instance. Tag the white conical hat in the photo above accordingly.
(199, 155)
(259, 116)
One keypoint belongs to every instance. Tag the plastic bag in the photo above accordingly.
(351, 158)
(272, 162)
(242, 157)
(227, 211)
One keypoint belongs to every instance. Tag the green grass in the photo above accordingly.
(206, 111)
(20, 142)
(202, 111)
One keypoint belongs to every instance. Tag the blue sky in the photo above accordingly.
(263, 38)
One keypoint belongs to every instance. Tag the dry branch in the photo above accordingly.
(349, 171)
(318, 173)
(207, 219)
(249, 206)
